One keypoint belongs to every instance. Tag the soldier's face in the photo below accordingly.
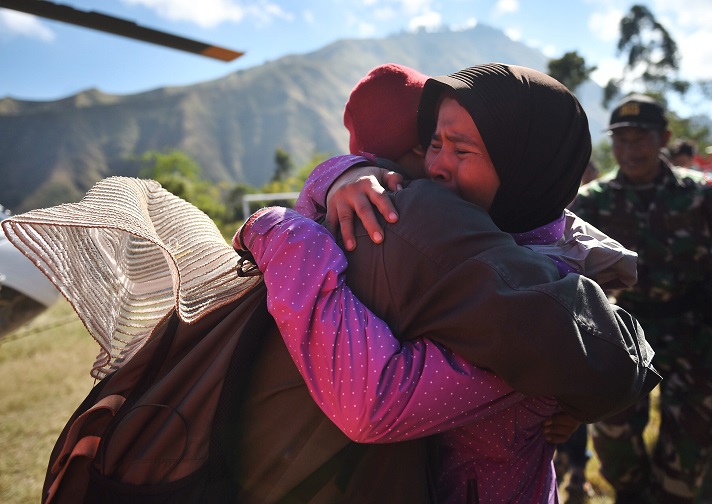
(636, 151)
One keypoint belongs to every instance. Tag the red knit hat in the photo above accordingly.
(382, 110)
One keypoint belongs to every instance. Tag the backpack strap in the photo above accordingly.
(147, 378)
(235, 387)
(233, 397)
(83, 437)
(109, 404)
(81, 444)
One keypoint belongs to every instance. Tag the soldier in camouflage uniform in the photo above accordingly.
(664, 213)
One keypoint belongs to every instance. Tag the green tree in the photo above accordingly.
(652, 57)
(233, 200)
(289, 180)
(295, 181)
(179, 174)
(284, 165)
(602, 156)
(570, 70)
(691, 129)
(705, 87)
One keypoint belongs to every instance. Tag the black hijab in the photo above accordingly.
(535, 131)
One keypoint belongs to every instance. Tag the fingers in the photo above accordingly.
(556, 437)
(355, 197)
(364, 210)
(559, 428)
(331, 221)
(392, 180)
(347, 208)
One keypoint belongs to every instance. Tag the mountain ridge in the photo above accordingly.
(52, 152)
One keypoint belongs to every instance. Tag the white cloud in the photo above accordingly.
(419, 13)
(607, 69)
(688, 24)
(696, 51)
(384, 13)
(26, 25)
(506, 7)
(308, 16)
(406, 7)
(513, 33)
(429, 20)
(209, 13)
(690, 27)
(366, 30)
(692, 14)
(550, 51)
(605, 25)
(413, 7)
(466, 25)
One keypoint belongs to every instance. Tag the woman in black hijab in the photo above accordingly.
(535, 131)
(530, 130)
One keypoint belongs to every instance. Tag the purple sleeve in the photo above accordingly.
(312, 199)
(372, 386)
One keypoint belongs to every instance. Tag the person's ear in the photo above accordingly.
(418, 151)
(665, 138)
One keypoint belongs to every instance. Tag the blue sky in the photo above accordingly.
(46, 60)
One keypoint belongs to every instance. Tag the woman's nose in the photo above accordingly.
(439, 168)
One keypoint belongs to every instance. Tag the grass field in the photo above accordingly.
(44, 375)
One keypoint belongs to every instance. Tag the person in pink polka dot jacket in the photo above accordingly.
(490, 444)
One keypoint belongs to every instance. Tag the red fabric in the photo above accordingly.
(381, 113)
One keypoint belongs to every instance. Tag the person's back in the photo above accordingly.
(284, 449)
(501, 457)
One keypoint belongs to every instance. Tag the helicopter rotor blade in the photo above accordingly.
(118, 26)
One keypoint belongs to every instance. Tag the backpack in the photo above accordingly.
(151, 431)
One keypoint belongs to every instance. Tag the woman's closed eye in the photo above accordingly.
(435, 145)
(467, 150)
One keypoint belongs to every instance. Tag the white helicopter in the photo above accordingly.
(24, 290)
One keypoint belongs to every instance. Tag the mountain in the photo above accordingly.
(52, 152)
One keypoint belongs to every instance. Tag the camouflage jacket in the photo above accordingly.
(666, 222)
